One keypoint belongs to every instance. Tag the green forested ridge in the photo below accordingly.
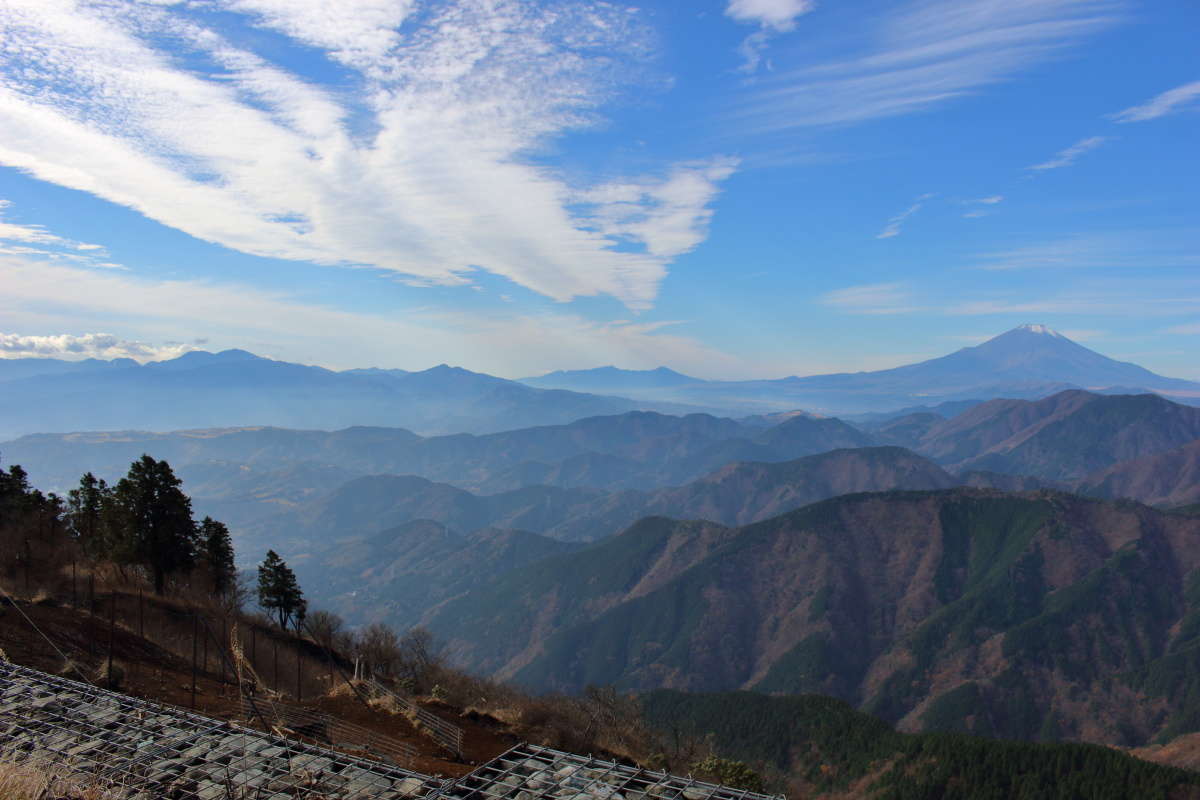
(823, 744)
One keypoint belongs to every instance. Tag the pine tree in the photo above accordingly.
(217, 548)
(86, 515)
(14, 494)
(156, 520)
(279, 592)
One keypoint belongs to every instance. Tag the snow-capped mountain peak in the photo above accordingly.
(1031, 328)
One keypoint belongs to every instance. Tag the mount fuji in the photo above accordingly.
(1027, 362)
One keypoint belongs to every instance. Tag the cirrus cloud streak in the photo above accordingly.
(421, 166)
(922, 53)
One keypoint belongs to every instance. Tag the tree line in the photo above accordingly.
(146, 521)
(144, 526)
(143, 522)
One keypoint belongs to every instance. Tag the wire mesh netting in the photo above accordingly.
(530, 772)
(156, 751)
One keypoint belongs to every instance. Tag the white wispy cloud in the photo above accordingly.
(1187, 329)
(421, 165)
(976, 213)
(37, 242)
(38, 235)
(1155, 249)
(1128, 299)
(89, 345)
(895, 223)
(1168, 102)
(772, 17)
(278, 325)
(1067, 157)
(874, 298)
(1075, 251)
(921, 53)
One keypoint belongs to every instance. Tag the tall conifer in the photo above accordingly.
(156, 517)
(279, 591)
(217, 548)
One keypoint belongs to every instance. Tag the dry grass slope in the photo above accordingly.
(27, 781)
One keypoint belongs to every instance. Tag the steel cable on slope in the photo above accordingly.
(12, 602)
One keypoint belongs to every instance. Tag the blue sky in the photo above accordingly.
(735, 188)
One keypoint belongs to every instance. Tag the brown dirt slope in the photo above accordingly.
(152, 672)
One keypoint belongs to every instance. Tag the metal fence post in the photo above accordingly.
(195, 631)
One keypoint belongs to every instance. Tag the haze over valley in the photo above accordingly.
(463, 530)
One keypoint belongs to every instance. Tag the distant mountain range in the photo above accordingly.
(235, 388)
(1031, 361)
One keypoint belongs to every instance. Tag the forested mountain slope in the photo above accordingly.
(963, 609)
(829, 750)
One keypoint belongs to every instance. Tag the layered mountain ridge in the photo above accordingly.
(236, 388)
(1066, 440)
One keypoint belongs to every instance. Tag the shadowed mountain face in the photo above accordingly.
(961, 609)
(1171, 478)
(1027, 362)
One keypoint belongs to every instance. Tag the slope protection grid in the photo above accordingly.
(148, 751)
